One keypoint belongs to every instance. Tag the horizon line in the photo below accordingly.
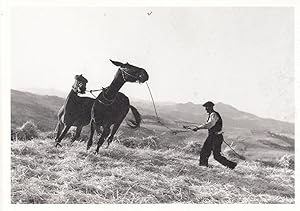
(148, 101)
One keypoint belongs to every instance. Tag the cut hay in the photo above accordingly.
(41, 173)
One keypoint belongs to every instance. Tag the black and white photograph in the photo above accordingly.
(132, 104)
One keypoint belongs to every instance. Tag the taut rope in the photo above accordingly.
(110, 101)
(156, 114)
(158, 120)
(94, 90)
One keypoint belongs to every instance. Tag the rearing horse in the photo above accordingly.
(111, 106)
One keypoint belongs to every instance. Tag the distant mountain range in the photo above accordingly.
(254, 137)
(42, 109)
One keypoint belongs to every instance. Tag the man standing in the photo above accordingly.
(215, 138)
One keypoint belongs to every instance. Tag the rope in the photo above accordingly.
(240, 156)
(91, 91)
(173, 131)
(94, 90)
(153, 102)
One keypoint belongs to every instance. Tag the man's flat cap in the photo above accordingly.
(208, 104)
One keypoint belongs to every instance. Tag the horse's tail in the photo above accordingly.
(137, 116)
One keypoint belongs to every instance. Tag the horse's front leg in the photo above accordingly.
(90, 142)
(102, 138)
(59, 128)
(77, 134)
(113, 132)
(62, 135)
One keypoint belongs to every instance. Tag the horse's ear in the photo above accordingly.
(119, 64)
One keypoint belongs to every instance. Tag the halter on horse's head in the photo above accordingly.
(131, 73)
(80, 84)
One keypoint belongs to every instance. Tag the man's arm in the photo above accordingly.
(213, 118)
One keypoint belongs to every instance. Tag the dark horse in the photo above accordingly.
(76, 111)
(111, 106)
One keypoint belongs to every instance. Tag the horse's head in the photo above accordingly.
(80, 84)
(131, 73)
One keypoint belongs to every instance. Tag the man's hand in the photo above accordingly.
(190, 128)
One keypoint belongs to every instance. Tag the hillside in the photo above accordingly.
(41, 173)
(232, 117)
(42, 109)
(254, 137)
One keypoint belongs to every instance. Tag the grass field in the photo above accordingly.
(129, 172)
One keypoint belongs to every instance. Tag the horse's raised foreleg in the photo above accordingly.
(102, 138)
(90, 142)
(62, 135)
(77, 134)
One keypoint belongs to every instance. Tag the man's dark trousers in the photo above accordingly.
(213, 143)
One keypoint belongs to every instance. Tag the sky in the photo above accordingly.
(240, 56)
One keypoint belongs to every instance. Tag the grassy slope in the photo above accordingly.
(40, 109)
(42, 173)
(253, 145)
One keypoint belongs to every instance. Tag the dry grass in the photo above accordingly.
(42, 173)
(27, 131)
